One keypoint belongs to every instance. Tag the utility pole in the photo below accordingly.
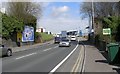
(92, 27)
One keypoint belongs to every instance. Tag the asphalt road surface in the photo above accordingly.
(40, 59)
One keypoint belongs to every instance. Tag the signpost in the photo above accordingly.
(107, 31)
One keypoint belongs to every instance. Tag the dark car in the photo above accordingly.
(57, 40)
(5, 51)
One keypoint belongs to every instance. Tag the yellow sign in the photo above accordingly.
(19, 36)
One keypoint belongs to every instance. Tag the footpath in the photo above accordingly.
(95, 62)
(27, 47)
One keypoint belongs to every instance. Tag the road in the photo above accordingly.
(40, 59)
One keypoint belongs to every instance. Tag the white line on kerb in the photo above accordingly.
(54, 69)
(25, 56)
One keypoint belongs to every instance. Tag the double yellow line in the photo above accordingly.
(78, 62)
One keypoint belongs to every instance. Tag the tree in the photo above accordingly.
(10, 24)
(101, 9)
(104, 11)
(86, 9)
(27, 11)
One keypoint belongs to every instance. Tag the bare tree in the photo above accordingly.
(27, 11)
(101, 9)
(86, 9)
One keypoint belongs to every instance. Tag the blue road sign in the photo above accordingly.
(28, 34)
(80, 33)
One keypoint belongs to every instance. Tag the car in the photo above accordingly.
(65, 42)
(57, 40)
(5, 51)
(73, 38)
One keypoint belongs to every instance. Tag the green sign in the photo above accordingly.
(107, 31)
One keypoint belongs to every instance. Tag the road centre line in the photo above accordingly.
(25, 56)
(56, 67)
(50, 48)
(55, 47)
(47, 49)
(33, 53)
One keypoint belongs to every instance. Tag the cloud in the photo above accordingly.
(60, 11)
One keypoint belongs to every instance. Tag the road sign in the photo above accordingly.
(107, 31)
(28, 34)
(80, 33)
(19, 36)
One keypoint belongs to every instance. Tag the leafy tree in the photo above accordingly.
(112, 22)
(9, 25)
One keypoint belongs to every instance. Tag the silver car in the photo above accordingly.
(5, 51)
(65, 42)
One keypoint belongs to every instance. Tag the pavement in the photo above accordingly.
(95, 62)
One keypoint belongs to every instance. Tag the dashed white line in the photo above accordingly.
(47, 49)
(50, 48)
(55, 47)
(25, 56)
(34, 53)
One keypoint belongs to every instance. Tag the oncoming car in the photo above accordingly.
(57, 40)
(65, 42)
(73, 38)
(5, 51)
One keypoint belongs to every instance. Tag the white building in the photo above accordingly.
(41, 30)
(2, 10)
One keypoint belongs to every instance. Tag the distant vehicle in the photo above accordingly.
(72, 35)
(57, 40)
(73, 38)
(65, 42)
(5, 51)
(63, 33)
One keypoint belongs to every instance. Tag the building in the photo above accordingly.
(41, 30)
(2, 10)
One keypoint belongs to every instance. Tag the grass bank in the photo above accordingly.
(43, 37)
(46, 37)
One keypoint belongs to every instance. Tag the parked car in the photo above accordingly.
(65, 42)
(5, 51)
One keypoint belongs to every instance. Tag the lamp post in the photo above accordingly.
(92, 25)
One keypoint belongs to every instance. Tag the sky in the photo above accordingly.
(59, 16)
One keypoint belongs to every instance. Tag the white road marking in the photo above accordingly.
(50, 48)
(47, 49)
(34, 53)
(55, 47)
(26, 56)
(54, 69)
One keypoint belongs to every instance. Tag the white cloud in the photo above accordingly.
(60, 11)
